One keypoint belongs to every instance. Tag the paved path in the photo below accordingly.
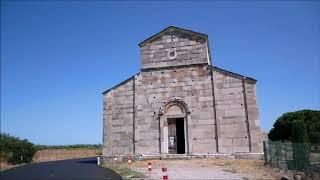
(85, 168)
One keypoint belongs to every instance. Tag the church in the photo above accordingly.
(180, 103)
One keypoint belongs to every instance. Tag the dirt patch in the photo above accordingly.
(208, 169)
(60, 154)
(4, 166)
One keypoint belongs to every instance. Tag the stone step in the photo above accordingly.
(175, 156)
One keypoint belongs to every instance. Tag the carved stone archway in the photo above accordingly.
(173, 101)
(172, 108)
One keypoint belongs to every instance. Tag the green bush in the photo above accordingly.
(282, 128)
(15, 150)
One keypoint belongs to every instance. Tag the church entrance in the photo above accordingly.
(176, 136)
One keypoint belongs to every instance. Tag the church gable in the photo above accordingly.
(179, 103)
(172, 30)
(174, 47)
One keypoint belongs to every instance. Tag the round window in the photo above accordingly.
(172, 54)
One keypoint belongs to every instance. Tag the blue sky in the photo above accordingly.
(58, 57)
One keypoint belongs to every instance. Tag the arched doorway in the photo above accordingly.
(173, 117)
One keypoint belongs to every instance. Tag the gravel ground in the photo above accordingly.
(207, 169)
(198, 173)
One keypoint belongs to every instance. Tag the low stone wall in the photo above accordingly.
(257, 156)
(214, 156)
(139, 157)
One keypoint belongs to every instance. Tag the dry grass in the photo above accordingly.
(252, 167)
(4, 166)
(60, 154)
(123, 170)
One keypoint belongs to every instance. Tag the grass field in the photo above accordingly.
(60, 154)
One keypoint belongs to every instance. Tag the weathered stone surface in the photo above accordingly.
(219, 108)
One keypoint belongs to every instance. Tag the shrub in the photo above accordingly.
(15, 150)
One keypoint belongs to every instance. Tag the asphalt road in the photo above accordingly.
(85, 168)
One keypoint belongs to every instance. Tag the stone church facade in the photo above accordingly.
(179, 103)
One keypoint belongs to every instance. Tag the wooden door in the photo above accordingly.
(172, 136)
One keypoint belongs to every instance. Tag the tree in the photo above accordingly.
(299, 132)
(314, 132)
(300, 146)
(282, 128)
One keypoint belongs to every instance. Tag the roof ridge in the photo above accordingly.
(121, 83)
(232, 73)
(168, 28)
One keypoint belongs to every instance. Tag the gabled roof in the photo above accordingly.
(171, 29)
(213, 68)
(236, 75)
(121, 83)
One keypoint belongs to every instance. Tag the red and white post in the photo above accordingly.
(129, 161)
(165, 173)
(149, 169)
(114, 160)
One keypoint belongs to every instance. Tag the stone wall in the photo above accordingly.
(237, 113)
(192, 85)
(256, 136)
(189, 50)
(118, 119)
(136, 105)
